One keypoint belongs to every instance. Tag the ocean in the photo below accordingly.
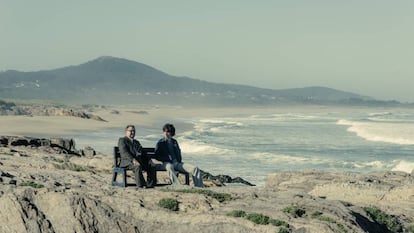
(252, 146)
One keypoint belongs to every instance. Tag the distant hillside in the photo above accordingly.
(116, 80)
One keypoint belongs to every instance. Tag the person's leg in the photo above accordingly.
(191, 169)
(139, 178)
(151, 171)
(151, 176)
(171, 172)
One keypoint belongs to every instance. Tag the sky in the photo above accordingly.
(361, 46)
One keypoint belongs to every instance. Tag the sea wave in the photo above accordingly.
(194, 147)
(272, 158)
(396, 133)
(376, 164)
(404, 166)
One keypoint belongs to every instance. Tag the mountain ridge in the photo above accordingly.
(115, 80)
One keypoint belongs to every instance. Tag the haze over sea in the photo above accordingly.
(324, 138)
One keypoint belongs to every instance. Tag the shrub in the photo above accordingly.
(221, 197)
(169, 203)
(295, 211)
(78, 168)
(258, 218)
(318, 215)
(237, 213)
(283, 230)
(411, 229)
(32, 184)
(277, 222)
(384, 219)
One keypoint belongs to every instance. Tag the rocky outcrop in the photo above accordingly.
(43, 191)
(51, 111)
(33, 110)
(88, 151)
(223, 179)
(61, 145)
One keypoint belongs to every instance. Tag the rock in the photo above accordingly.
(139, 112)
(88, 151)
(6, 174)
(36, 142)
(4, 140)
(67, 144)
(19, 141)
(224, 179)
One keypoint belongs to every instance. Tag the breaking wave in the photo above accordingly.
(390, 132)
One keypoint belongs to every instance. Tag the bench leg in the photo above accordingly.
(123, 183)
(187, 179)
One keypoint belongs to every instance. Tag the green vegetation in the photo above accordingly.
(260, 219)
(169, 203)
(277, 222)
(237, 213)
(318, 215)
(32, 184)
(384, 219)
(411, 229)
(295, 211)
(78, 168)
(221, 197)
(283, 230)
(8, 154)
(59, 160)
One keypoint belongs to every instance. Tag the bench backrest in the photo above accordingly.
(146, 151)
(117, 156)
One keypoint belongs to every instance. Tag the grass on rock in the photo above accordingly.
(169, 203)
(295, 211)
(383, 219)
(260, 219)
(221, 197)
(32, 184)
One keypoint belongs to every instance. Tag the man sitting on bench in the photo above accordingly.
(132, 159)
(168, 152)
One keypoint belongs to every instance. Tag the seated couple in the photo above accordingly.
(167, 151)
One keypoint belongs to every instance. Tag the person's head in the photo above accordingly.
(130, 131)
(169, 130)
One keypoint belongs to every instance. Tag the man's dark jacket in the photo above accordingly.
(161, 150)
(127, 151)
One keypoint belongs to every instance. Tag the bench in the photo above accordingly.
(149, 153)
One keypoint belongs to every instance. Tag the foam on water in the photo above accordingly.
(397, 133)
(404, 166)
(194, 147)
(272, 158)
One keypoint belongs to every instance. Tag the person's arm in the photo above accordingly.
(160, 152)
(157, 151)
(179, 158)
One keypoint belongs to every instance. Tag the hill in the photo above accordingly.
(116, 80)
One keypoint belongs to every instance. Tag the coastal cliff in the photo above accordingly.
(44, 189)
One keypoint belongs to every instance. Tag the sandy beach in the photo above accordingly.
(149, 116)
